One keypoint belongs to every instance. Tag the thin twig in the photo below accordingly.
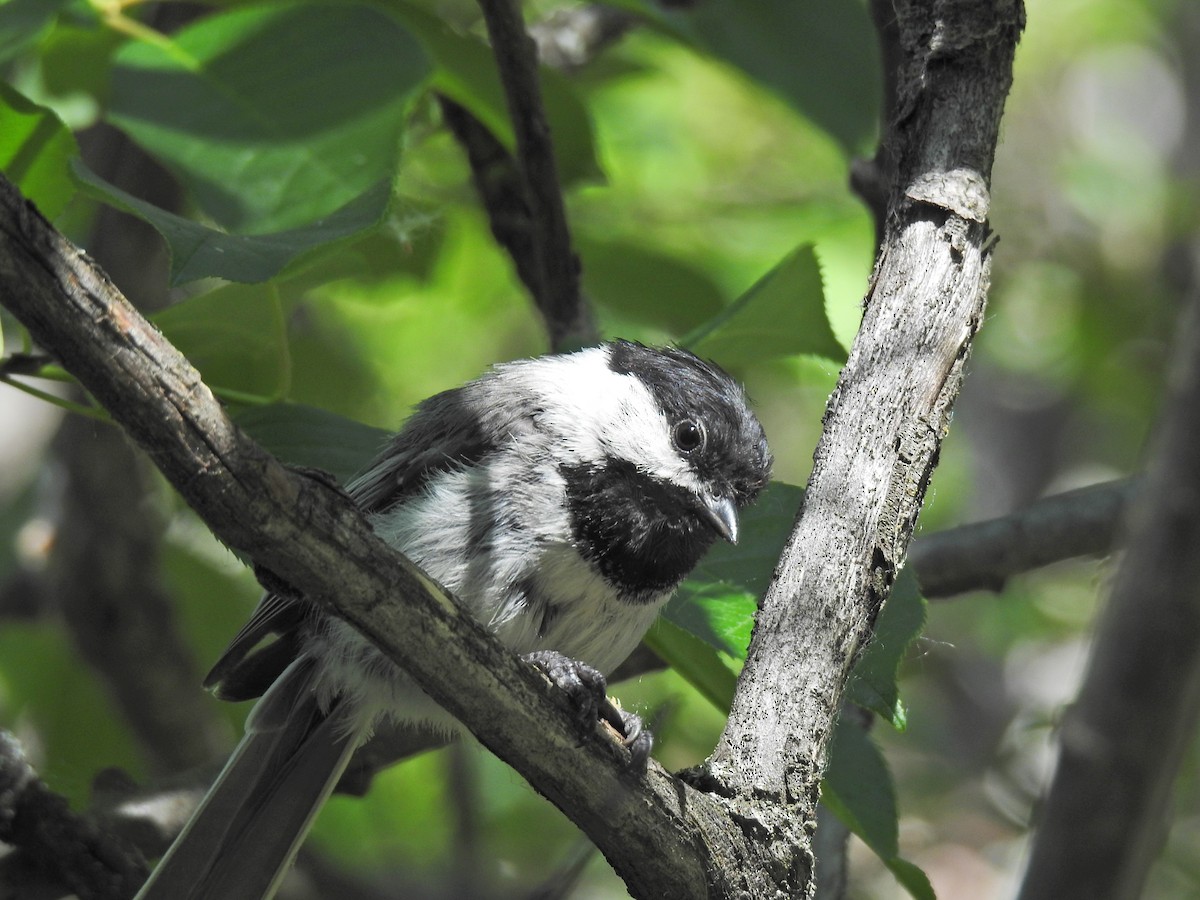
(557, 292)
(501, 188)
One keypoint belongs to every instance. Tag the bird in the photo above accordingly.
(561, 499)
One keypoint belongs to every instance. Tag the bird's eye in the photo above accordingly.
(688, 436)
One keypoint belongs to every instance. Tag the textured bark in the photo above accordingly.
(741, 827)
(883, 426)
(104, 569)
(664, 838)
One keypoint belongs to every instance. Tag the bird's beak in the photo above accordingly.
(722, 515)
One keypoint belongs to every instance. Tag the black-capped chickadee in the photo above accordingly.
(561, 500)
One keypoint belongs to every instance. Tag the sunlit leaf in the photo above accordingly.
(35, 152)
(718, 600)
(275, 116)
(781, 315)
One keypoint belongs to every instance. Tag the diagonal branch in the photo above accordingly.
(662, 837)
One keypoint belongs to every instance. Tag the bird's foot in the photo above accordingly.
(588, 691)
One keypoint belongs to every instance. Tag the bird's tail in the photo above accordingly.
(246, 832)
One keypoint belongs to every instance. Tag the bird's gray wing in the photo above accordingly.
(245, 669)
(449, 430)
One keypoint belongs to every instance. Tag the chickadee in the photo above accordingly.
(560, 499)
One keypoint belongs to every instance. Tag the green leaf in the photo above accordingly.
(873, 682)
(235, 336)
(198, 251)
(858, 790)
(822, 57)
(781, 315)
(718, 600)
(698, 663)
(35, 152)
(911, 878)
(51, 692)
(466, 73)
(306, 436)
(645, 286)
(23, 21)
(275, 116)
(78, 60)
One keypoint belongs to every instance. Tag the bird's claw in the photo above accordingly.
(587, 689)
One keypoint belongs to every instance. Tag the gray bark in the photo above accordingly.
(883, 426)
(742, 826)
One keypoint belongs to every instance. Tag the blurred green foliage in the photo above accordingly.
(707, 158)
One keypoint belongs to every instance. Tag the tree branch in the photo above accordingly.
(1104, 818)
(548, 264)
(883, 425)
(664, 838)
(501, 188)
(984, 555)
(55, 842)
(568, 39)
(104, 568)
